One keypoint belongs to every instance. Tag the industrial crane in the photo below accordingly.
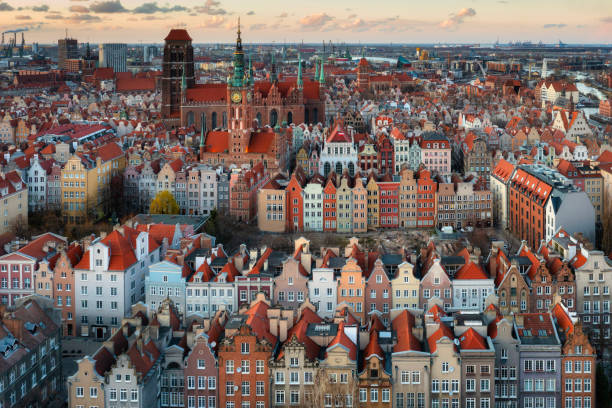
(7, 48)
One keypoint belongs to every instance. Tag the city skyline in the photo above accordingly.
(213, 21)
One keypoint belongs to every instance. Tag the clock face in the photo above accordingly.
(236, 97)
(249, 96)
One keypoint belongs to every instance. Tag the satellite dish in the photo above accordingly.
(451, 369)
(213, 344)
(238, 369)
(456, 341)
(235, 388)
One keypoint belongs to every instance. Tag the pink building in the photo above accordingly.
(378, 292)
(436, 152)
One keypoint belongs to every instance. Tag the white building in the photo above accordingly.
(338, 153)
(110, 278)
(37, 185)
(322, 290)
(471, 285)
(313, 207)
(114, 56)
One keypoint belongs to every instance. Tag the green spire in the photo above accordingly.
(300, 83)
(316, 69)
(238, 77)
(202, 135)
(321, 75)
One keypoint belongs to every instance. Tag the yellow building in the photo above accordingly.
(372, 189)
(405, 287)
(13, 200)
(86, 182)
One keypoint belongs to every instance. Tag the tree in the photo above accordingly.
(164, 203)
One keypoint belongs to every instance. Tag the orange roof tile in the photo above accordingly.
(342, 340)
(443, 331)
(471, 340)
(406, 341)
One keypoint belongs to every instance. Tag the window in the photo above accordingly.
(112, 394)
(280, 377)
(93, 392)
(201, 382)
(134, 395)
(363, 395)
(229, 366)
(212, 383)
(259, 367)
(245, 366)
(191, 382)
(470, 385)
(279, 397)
(244, 348)
(374, 395)
(259, 388)
(79, 392)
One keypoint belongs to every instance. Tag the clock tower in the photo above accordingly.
(239, 96)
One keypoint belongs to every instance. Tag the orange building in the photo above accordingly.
(351, 286)
(527, 201)
(426, 199)
(243, 359)
(578, 360)
(374, 380)
(295, 201)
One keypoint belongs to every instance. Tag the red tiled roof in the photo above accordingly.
(342, 340)
(299, 332)
(207, 93)
(406, 341)
(109, 151)
(471, 340)
(135, 84)
(261, 142)
(217, 141)
(564, 321)
(471, 270)
(443, 331)
(436, 311)
(35, 247)
(503, 170)
(259, 322)
(373, 349)
(178, 34)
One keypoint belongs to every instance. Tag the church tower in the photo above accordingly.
(177, 68)
(239, 97)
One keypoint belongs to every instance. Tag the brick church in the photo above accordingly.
(233, 116)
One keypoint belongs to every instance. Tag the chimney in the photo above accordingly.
(102, 234)
(282, 330)
(519, 319)
(140, 345)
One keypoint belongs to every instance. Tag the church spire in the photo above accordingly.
(273, 76)
(300, 83)
(238, 77)
(316, 76)
(321, 74)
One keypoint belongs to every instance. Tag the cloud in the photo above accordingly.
(607, 19)
(250, 13)
(457, 19)
(82, 18)
(503, 2)
(554, 25)
(42, 7)
(54, 17)
(581, 26)
(23, 18)
(353, 16)
(256, 27)
(211, 7)
(152, 7)
(107, 7)
(213, 22)
(315, 21)
(283, 15)
(6, 7)
(79, 9)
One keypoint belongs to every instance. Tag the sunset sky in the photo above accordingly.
(398, 21)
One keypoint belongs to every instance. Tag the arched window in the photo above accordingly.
(306, 116)
(289, 118)
(203, 121)
(273, 117)
(224, 120)
(351, 168)
(190, 118)
(338, 168)
(326, 168)
(258, 117)
(315, 115)
(214, 120)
